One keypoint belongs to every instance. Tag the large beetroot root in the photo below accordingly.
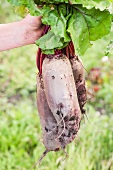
(61, 96)
(48, 122)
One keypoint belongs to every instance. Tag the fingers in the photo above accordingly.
(41, 30)
(33, 21)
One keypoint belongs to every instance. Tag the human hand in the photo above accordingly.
(33, 28)
(20, 33)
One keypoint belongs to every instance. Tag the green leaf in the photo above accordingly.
(21, 10)
(56, 17)
(19, 2)
(53, 1)
(98, 4)
(26, 3)
(49, 42)
(86, 26)
(69, 21)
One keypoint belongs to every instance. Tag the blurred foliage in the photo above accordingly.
(95, 58)
(20, 135)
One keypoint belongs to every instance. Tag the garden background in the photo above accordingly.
(20, 133)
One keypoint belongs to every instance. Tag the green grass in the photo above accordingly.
(21, 146)
(20, 132)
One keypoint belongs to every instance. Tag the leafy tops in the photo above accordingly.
(80, 21)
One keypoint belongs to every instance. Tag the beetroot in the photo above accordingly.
(61, 95)
(48, 122)
(79, 76)
(61, 105)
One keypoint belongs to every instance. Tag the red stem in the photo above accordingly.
(68, 51)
